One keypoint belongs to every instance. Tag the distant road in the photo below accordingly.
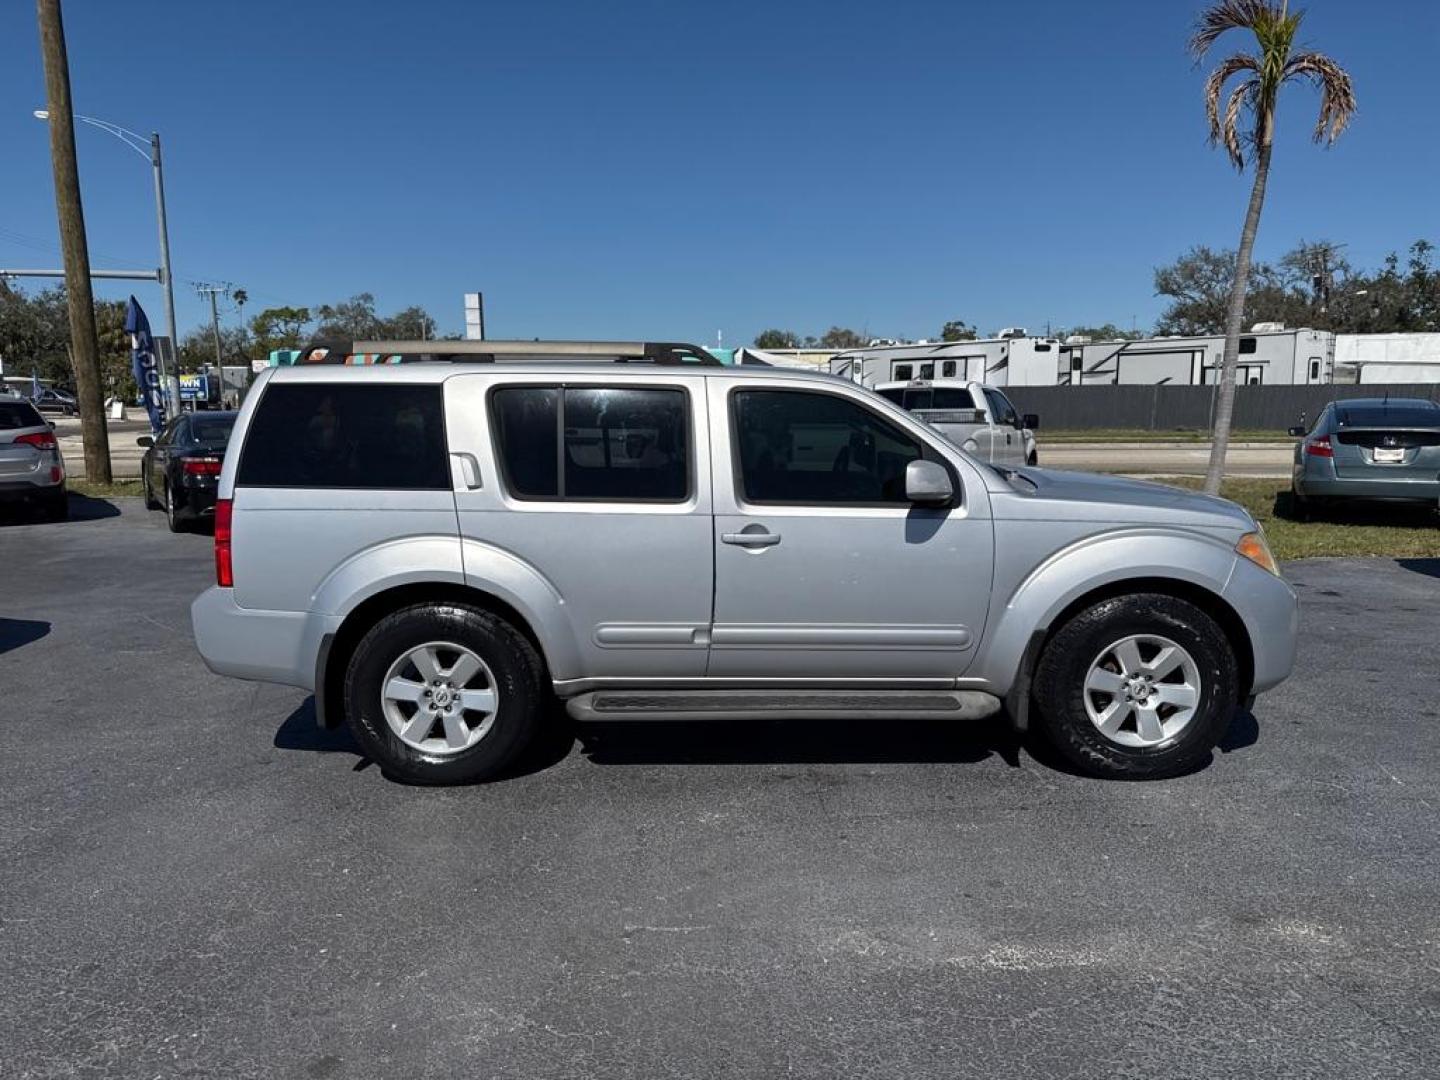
(1167, 459)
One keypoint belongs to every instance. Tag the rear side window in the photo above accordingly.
(388, 436)
(18, 414)
(606, 444)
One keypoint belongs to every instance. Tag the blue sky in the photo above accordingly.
(667, 170)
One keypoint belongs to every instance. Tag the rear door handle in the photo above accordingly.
(469, 469)
(751, 539)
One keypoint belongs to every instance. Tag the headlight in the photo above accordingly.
(1253, 547)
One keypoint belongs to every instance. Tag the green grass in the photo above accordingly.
(105, 491)
(1180, 435)
(1395, 531)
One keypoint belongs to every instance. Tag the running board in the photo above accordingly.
(782, 704)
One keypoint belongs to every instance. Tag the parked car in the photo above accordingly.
(1368, 449)
(977, 418)
(180, 470)
(31, 467)
(436, 548)
(56, 401)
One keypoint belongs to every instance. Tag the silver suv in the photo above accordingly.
(31, 468)
(436, 543)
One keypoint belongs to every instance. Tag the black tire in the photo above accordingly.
(1032, 459)
(172, 512)
(1059, 687)
(513, 662)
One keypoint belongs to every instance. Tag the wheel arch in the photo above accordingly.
(1207, 600)
(336, 651)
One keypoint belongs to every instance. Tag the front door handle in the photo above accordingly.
(758, 538)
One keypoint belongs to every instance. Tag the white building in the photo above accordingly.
(1269, 355)
(1387, 358)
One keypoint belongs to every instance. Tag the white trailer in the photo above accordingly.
(1387, 358)
(1017, 360)
(1269, 355)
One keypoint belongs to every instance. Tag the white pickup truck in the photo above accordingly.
(977, 418)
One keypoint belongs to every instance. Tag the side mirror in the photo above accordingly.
(1296, 432)
(1030, 420)
(928, 482)
(144, 440)
(52, 424)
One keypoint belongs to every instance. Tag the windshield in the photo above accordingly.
(1408, 416)
(211, 429)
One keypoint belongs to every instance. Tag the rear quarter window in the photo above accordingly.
(326, 435)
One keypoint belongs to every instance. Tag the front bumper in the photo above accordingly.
(1271, 612)
(264, 646)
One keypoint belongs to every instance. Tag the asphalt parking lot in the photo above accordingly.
(194, 881)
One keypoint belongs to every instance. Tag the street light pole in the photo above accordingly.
(150, 150)
(164, 255)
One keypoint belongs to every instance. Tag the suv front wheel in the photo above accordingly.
(443, 694)
(1137, 687)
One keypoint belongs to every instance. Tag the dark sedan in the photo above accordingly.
(1369, 449)
(180, 471)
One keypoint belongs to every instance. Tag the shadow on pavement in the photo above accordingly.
(16, 633)
(1356, 512)
(300, 731)
(82, 508)
(795, 742)
(1429, 567)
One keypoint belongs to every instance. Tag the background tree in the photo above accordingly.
(197, 348)
(1273, 64)
(357, 319)
(838, 337)
(777, 339)
(1105, 332)
(279, 328)
(957, 330)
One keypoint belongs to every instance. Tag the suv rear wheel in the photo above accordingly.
(443, 694)
(1137, 687)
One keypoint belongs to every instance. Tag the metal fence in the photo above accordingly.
(1174, 408)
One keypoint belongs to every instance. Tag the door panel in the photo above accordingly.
(839, 590)
(636, 578)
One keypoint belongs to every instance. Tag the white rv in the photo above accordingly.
(1269, 355)
(1014, 360)
(1387, 358)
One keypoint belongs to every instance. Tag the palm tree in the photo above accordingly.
(1274, 64)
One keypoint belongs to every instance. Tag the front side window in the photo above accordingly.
(817, 449)
(610, 444)
(1000, 406)
(327, 435)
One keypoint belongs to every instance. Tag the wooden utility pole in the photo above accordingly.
(84, 343)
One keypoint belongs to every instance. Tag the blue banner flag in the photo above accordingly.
(34, 386)
(147, 375)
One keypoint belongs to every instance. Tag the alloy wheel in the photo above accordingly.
(439, 698)
(1142, 690)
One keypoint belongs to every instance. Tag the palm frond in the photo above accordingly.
(1337, 93)
(1215, 85)
(1247, 91)
(1229, 15)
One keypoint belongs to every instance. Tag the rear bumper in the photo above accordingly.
(199, 500)
(264, 646)
(1271, 612)
(1378, 488)
(21, 490)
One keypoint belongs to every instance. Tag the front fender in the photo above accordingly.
(1093, 563)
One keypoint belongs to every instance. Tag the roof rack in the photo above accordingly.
(491, 352)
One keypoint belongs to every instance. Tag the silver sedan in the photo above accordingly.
(1385, 449)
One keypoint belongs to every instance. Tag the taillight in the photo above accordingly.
(201, 466)
(41, 440)
(1320, 447)
(224, 571)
